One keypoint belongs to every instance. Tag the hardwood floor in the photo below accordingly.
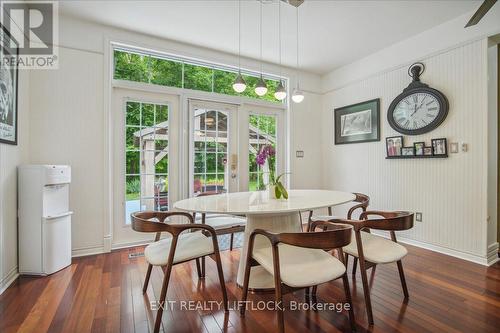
(102, 293)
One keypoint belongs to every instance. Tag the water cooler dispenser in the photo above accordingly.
(44, 219)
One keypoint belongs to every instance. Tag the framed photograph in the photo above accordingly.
(427, 151)
(8, 88)
(419, 148)
(408, 151)
(393, 145)
(439, 147)
(358, 122)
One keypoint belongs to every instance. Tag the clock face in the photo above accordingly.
(416, 111)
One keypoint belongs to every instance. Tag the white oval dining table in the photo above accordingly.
(262, 212)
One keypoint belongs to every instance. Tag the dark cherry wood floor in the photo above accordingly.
(102, 293)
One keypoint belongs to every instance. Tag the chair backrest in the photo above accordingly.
(143, 222)
(363, 202)
(336, 237)
(391, 221)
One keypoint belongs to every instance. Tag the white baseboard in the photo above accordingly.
(492, 254)
(8, 279)
(87, 251)
(118, 246)
(441, 249)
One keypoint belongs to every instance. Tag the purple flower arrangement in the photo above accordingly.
(267, 153)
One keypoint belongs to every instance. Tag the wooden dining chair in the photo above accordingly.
(372, 250)
(223, 225)
(298, 261)
(179, 248)
(362, 201)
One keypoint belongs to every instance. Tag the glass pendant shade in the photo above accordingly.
(261, 88)
(280, 93)
(239, 84)
(297, 96)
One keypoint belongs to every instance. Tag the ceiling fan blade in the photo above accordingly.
(478, 15)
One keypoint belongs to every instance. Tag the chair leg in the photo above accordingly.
(231, 242)
(402, 278)
(146, 281)
(198, 268)
(163, 295)
(244, 295)
(347, 292)
(203, 267)
(221, 280)
(366, 291)
(354, 265)
(346, 260)
(280, 308)
(314, 290)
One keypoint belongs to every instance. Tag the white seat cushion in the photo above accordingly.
(189, 245)
(323, 217)
(222, 222)
(376, 249)
(301, 267)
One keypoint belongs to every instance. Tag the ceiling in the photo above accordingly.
(332, 33)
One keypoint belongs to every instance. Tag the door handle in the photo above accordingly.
(57, 216)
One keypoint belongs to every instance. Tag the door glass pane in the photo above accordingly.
(210, 150)
(146, 157)
(262, 150)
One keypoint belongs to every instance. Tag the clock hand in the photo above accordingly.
(422, 103)
(414, 111)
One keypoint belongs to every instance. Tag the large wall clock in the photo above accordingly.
(419, 108)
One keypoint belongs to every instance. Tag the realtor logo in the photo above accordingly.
(33, 27)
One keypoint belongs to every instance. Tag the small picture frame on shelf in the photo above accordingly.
(419, 148)
(393, 145)
(439, 147)
(427, 151)
(408, 151)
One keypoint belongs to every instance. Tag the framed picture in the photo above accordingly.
(8, 88)
(419, 148)
(428, 151)
(358, 122)
(439, 147)
(393, 145)
(408, 151)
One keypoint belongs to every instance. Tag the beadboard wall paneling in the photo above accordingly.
(451, 193)
(67, 128)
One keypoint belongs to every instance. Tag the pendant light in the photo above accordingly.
(298, 95)
(280, 93)
(239, 84)
(261, 87)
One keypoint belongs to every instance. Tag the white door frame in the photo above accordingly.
(122, 234)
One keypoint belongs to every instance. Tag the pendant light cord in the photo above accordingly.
(261, 67)
(279, 33)
(239, 36)
(297, 26)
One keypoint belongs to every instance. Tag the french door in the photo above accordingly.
(225, 142)
(213, 149)
(146, 132)
(162, 154)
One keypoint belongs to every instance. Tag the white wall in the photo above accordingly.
(453, 194)
(68, 124)
(67, 127)
(10, 158)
